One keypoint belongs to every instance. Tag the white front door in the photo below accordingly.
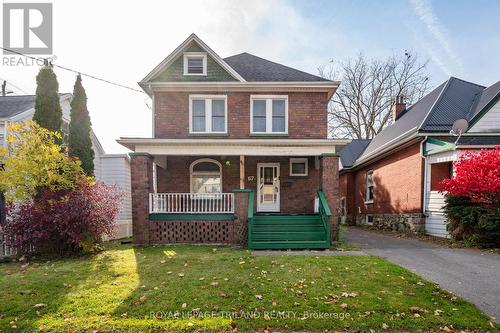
(268, 187)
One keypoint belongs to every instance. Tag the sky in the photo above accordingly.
(122, 41)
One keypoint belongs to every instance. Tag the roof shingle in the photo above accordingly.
(256, 69)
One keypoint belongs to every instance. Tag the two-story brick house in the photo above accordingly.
(239, 152)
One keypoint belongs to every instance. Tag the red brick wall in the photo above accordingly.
(141, 175)
(330, 187)
(307, 114)
(398, 184)
(347, 190)
(297, 193)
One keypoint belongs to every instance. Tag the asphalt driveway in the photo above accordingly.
(472, 274)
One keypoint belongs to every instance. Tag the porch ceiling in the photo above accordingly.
(235, 147)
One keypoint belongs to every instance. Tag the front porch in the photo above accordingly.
(281, 201)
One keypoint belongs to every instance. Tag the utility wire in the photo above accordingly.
(73, 70)
(9, 83)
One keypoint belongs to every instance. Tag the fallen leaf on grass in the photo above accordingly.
(416, 309)
(40, 305)
(385, 326)
(259, 297)
(343, 306)
(410, 292)
(181, 274)
(184, 305)
(438, 312)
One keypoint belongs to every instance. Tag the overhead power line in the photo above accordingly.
(9, 83)
(74, 70)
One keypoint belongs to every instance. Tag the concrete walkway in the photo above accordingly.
(306, 253)
(472, 274)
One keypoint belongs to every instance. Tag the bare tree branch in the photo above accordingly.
(361, 108)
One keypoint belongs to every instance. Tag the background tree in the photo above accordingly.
(48, 113)
(79, 142)
(361, 107)
(33, 161)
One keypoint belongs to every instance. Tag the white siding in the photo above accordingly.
(435, 223)
(490, 122)
(115, 170)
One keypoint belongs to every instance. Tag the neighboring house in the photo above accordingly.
(393, 179)
(224, 129)
(110, 169)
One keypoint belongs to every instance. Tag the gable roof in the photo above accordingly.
(487, 96)
(13, 105)
(256, 69)
(352, 151)
(456, 101)
(434, 113)
(178, 51)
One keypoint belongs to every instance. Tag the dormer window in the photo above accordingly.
(195, 63)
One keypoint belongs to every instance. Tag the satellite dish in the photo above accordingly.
(459, 127)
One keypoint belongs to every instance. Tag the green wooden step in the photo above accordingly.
(270, 245)
(284, 221)
(298, 227)
(288, 232)
(288, 236)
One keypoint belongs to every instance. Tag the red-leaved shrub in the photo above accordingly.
(64, 222)
(477, 177)
(472, 205)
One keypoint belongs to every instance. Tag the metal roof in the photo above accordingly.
(487, 96)
(484, 140)
(256, 69)
(457, 100)
(435, 112)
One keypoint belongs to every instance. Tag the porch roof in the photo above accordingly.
(235, 147)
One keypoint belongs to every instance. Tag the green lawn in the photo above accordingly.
(195, 287)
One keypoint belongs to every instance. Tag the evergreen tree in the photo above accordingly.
(48, 113)
(79, 142)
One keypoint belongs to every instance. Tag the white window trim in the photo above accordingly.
(299, 160)
(188, 55)
(366, 219)
(191, 173)
(369, 201)
(269, 113)
(208, 113)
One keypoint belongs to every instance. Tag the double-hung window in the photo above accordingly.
(207, 114)
(369, 186)
(269, 114)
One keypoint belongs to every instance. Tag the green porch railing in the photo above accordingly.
(325, 214)
(251, 198)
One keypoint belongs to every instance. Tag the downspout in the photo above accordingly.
(424, 187)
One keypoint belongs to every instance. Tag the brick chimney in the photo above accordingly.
(398, 107)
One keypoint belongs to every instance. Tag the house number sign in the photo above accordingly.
(251, 178)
